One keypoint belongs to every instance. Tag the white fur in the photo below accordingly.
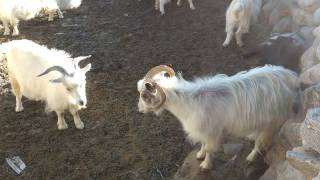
(26, 60)
(159, 5)
(239, 15)
(68, 4)
(11, 11)
(253, 102)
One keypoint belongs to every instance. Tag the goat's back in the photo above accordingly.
(26, 60)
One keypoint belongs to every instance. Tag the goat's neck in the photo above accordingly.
(179, 104)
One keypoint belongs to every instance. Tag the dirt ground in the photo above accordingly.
(125, 38)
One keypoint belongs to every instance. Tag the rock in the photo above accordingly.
(232, 148)
(317, 177)
(304, 160)
(279, 11)
(301, 17)
(291, 132)
(306, 33)
(309, 5)
(310, 76)
(311, 97)
(283, 26)
(283, 171)
(310, 130)
(316, 32)
(316, 17)
(267, 8)
(308, 59)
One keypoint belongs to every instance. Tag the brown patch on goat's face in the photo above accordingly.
(149, 100)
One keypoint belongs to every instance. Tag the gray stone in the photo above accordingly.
(311, 97)
(305, 160)
(232, 148)
(291, 132)
(283, 171)
(310, 130)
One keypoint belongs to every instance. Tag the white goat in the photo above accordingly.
(62, 85)
(11, 11)
(239, 15)
(254, 103)
(159, 5)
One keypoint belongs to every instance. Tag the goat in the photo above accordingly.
(48, 75)
(14, 10)
(159, 5)
(281, 49)
(258, 103)
(239, 15)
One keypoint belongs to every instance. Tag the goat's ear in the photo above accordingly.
(59, 80)
(86, 68)
(80, 58)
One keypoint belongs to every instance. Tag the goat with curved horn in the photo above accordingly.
(55, 68)
(63, 91)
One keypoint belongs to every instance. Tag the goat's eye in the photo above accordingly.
(68, 89)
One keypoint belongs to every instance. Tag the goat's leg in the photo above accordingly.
(15, 23)
(61, 122)
(242, 29)
(202, 152)
(60, 14)
(161, 6)
(6, 27)
(211, 147)
(229, 30)
(262, 142)
(16, 91)
(179, 2)
(191, 4)
(239, 34)
(51, 15)
(156, 4)
(77, 121)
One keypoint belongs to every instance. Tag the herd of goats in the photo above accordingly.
(252, 104)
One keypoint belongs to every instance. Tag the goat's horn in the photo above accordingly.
(162, 94)
(155, 70)
(55, 68)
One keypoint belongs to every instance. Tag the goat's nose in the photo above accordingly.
(81, 103)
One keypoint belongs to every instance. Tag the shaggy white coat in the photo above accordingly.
(253, 103)
(26, 60)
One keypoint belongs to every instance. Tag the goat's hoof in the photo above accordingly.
(200, 155)
(192, 8)
(19, 109)
(61, 17)
(251, 157)
(62, 126)
(15, 34)
(179, 4)
(225, 44)
(205, 166)
(80, 125)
